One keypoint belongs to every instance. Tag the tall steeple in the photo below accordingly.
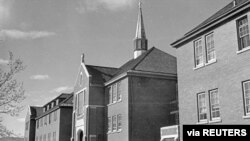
(140, 41)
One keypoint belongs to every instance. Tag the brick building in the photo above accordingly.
(214, 70)
(52, 122)
(128, 103)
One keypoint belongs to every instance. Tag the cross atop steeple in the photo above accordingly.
(141, 42)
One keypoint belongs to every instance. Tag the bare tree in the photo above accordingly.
(11, 91)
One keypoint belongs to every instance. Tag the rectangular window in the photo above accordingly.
(109, 125)
(202, 107)
(80, 103)
(49, 136)
(54, 136)
(41, 121)
(114, 123)
(198, 53)
(246, 92)
(49, 118)
(55, 115)
(119, 122)
(243, 33)
(110, 94)
(114, 93)
(119, 96)
(214, 104)
(44, 137)
(210, 50)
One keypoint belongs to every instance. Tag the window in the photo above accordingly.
(210, 50)
(109, 125)
(54, 136)
(55, 115)
(243, 33)
(44, 137)
(114, 93)
(45, 120)
(119, 91)
(198, 53)
(49, 135)
(214, 104)
(119, 122)
(110, 94)
(49, 118)
(80, 103)
(202, 108)
(114, 123)
(41, 121)
(246, 92)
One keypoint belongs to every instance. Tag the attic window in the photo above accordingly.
(234, 3)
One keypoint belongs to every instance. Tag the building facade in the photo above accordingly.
(52, 122)
(129, 103)
(213, 69)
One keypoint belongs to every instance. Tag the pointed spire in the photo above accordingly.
(140, 30)
(140, 42)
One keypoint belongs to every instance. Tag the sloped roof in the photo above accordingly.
(222, 12)
(68, 100)
(100, 74)
(154, 60)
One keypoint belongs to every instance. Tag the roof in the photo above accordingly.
(68, 101)
(36, 111)
(100, 74)
(154, 60)
(225, 10)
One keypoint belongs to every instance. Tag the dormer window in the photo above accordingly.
(44, 109)
(48, 107)
(52, 104)
(57, 101)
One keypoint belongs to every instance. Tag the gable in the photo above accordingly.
(159, 62)
(82, 79)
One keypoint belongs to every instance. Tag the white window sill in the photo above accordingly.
(114, 102)
(202, 122)
(211, 62)
(116, 131)
(217, 120)
(246, 117)
(243, 50)
(198, 67)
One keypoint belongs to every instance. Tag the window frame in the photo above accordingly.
(114, 123)
(212, 44)
(195, 53)
(119, 91)
(80, 111)
(114, 93)
(198, 108)
(244, 98)
(109, 124)
(211, 105)
(240, 47)
(119, 121)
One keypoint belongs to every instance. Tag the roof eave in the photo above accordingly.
(210, 24)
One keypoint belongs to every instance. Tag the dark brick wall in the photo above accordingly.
(65, 124)
(149, 107)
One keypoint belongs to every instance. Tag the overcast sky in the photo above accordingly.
(50, 35)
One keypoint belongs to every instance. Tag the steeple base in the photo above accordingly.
(137, 53)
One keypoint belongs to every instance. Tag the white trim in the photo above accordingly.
(243, 50)
(202, 122)
(198, 67)
(246, 117)
(211, 62)
(215, 120)
(85, 69)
